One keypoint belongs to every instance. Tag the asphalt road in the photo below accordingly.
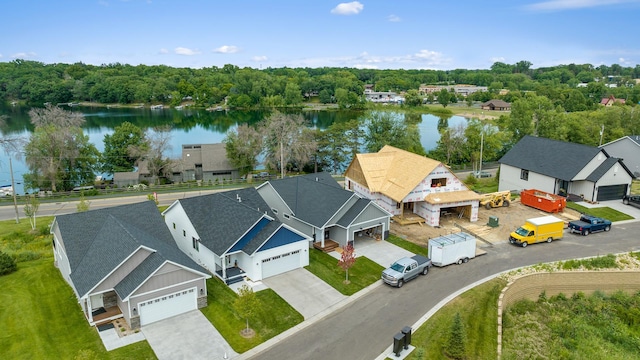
(364, 329)
(7, 211)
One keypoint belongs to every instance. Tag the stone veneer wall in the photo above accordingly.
(532, 285)
(202, 302)
(135, 322)
(110, 299)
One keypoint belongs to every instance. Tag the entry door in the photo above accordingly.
(96, 302)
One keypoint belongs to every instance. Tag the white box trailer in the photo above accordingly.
(456, 248)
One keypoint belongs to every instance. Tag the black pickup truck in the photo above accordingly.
(588, 224)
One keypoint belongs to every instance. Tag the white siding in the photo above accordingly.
(627, 150)
(590, 167)
(302, 246)
(510, 180)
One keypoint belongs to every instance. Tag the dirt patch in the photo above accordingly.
(509, 219)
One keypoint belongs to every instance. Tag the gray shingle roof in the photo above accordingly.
(222, 218)
(558, 159)
(313, 198)
(602, 169)
(97, 241)
(353, 212)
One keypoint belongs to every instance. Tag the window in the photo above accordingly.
(195, 243)
(184, 233)
(275, 211)
(439, 182)
(286, 216)
(524, 175)
(174, 226)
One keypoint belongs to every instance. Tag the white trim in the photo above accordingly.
(166, 287)
(245, 233)
(305, 237)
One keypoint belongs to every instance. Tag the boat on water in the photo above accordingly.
(157, 107)
(6, 190)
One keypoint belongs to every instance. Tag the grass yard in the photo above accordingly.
(408, 245)
(40, 319)
(603, 212)
(18, 241)
(363, 273)
(478, 309)
(274, 317)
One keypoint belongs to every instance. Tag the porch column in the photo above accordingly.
(87, 309)
(322, 236)
(224, 266)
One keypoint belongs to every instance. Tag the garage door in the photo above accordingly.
(281, 263)
(613, 192)
(167, 306)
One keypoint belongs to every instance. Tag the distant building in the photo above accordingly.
(609, 101)
(496, 104)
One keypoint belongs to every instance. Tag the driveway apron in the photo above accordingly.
(187, 336)
(304, 291)
(381, 252)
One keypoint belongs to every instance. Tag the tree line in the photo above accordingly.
(35, 83)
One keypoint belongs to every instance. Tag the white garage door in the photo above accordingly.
(281, 263)
(167, 306)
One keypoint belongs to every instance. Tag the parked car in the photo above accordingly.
(406, 269)
(588, 224)
(633, 200)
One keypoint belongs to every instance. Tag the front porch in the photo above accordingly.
(233, 275)
(105, 315)
(329, 245)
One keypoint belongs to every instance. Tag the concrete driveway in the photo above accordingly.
(382, 252)
(304, 291)
(187, 336)
(616, 205)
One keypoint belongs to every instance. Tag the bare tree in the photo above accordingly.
(288, 141)
(153, 153)
(54, 141)
(11, 146)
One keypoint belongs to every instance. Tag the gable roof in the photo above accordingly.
(558, 159)
(635, 139)
(497, 103)
(225, 219)
(98, 241)
(391, 171)
(313, 198)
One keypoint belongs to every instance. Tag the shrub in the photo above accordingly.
(7, 264)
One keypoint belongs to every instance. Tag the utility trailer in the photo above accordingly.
(456, 248)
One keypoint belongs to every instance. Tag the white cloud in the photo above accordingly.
(227, 49)
(186, 51)
(496, 59)
(259, 58)
(424, 59)
(559, 5)
(164, 51)
(24, 55)
(393, 18)
(352, 8)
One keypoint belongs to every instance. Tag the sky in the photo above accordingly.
(376, 34)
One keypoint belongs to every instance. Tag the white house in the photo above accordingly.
(564, 168)
(234, 234)
(405, 183)
(626, 148)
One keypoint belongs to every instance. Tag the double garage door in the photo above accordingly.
(167, 306)
(281, 263)
(613, 192)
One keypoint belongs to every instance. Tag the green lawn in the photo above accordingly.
(40, 319)
(408, 245)
(274, 317)
(478, 310)
(603, 212)
(363, 273)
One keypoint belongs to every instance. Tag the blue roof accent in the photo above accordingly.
(249, 235)
(283, 236)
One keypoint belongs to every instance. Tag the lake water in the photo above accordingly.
(188, 127)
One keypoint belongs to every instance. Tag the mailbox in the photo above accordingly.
(398, 343)
(406, 331)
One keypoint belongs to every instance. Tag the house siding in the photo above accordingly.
(122, 271)
(166, 276)
(302, 246)
(61, 261)
(139, 296)
(627, 150)
(590, 167)
(510, 180)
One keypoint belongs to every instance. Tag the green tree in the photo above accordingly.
(83, 204)
(385, 128)
(444, 97)
(413, 98)
(243, 145)
(118, 154)
(247, 306)
(7, 264)
(456, 344)
(292, 94)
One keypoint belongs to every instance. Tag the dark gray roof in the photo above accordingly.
(98, 241)
(353, 212)
(222, 218)
(313, 198)
(558, 159)
(602, 169)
